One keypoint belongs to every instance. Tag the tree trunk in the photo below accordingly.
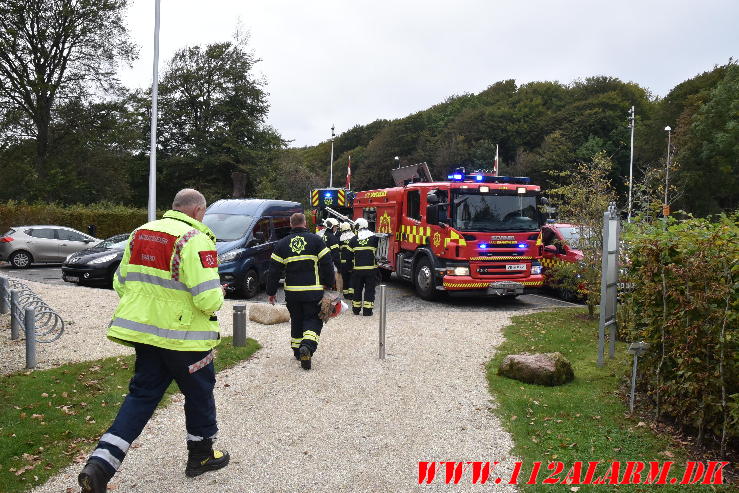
(239, 182)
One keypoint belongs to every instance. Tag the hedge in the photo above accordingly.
(684, 302)
(109, 219)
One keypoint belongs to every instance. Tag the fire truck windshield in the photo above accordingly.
(475, 211)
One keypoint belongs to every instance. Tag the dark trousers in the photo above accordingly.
(154, 371)
(305, 326)
(348, 287)
(364, 282)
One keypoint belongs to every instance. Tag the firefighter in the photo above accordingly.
(363, 248)
(332, 241)
(346, 259)
(305, 261)
(170, 291)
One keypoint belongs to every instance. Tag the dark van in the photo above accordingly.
(247, 231)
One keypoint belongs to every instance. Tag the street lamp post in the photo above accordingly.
(631, 161)
(152, 210)
(331, 168)
(666, 209)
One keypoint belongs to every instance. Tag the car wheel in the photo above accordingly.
(566, 294)
(251, 284)
(424, 280)
(21, 259)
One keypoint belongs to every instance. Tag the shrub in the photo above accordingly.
(109, 219)
(684, 303)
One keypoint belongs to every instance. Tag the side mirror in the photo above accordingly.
(432, 214)
(551, 249)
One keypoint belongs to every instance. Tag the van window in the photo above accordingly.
(414, 204)
(262, 226)
(228, 227)
(370, 214)
(281, 226)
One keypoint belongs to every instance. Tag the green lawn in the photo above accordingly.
(50, 418)
(585, 420)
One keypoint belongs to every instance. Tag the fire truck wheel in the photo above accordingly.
(251, 285)
(423, 280)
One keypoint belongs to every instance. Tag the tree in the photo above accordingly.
(582, 201)
(50, 49)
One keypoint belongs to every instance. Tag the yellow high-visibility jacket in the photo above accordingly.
(169, 286)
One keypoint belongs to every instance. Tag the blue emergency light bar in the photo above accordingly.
(484, 177)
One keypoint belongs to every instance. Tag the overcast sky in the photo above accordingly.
(349, 62)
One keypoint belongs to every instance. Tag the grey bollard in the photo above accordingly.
(15, 325)
(383, 319)
(239, 328)
(4, 295)
(30, 323)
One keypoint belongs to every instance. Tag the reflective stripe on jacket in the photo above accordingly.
(305, 260)
(169, 286)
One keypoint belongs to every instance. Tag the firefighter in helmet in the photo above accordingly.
(346, 258)
(363, 249)
(331, 238)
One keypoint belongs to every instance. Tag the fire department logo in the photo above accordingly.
(297, 245)
(328, 200)
(384, 226)
(363, 242)
(437, 239)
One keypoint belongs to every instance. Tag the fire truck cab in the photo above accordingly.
(474, 233)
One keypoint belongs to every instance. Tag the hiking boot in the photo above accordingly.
(305, 357)
(296, 353)
(94, 478)
(202, 458)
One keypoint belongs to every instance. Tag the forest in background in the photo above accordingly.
(71, 133)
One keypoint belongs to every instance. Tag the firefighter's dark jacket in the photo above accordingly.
(363, 252)
(305, 260)
(333, 244)
(346, 256)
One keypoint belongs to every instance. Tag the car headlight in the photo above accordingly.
(458, 271)
(535, 268)
(103, 259)
(230, 256)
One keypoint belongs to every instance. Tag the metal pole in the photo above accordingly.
(4, 294)
(383, 319)
(667, 169)
(14, 315)
(633, 384)
(30, 323)
(153, 143)
(331, 168)
(631, 160)
(239, 328)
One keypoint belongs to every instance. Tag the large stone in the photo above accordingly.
(541, 368)
(267, 314)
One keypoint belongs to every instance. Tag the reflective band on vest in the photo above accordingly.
(176, 257)
(172, 284)
(200, 364)
(181, 335)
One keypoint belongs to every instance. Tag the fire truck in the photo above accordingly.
(326, 202)
(474, 233)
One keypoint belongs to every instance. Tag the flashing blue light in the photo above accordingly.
(450, 177)
(457, 176)
(479, 178)
(327, 195)
(522, 245)
(483, 245)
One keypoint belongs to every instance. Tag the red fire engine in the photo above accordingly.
(473, 233)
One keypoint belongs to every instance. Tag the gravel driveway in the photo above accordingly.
(353, 423)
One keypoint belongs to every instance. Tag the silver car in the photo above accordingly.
(25, 245)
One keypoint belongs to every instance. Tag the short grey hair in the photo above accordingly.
(188, 198)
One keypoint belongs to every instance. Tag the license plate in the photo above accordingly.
(515, 267)
(71, 278)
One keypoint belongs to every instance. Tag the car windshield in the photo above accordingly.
(228, 227)
(475, 211)
(117, 242)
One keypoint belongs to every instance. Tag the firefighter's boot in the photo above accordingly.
(305, 357)
(94, 478)
(202, 458)
(367, 312)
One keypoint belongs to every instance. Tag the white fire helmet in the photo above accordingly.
(331, 222)
(361, 223)
(345, 227)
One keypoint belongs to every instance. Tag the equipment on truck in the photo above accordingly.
(473, 233)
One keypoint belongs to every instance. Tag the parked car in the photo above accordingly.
(246, 232)
(26, 245)
(96, 264)
(560, 240)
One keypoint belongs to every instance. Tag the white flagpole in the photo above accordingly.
(153, 145)
(496, 159)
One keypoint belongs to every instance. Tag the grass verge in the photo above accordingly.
(51, 418)
(585, 420)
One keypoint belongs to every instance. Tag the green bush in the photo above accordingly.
(109, 219)
(685, 275)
